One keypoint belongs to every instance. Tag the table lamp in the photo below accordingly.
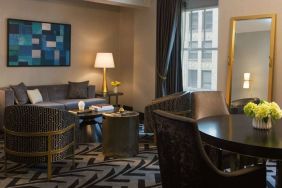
(104, 60)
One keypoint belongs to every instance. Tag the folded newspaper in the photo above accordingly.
(102, 107)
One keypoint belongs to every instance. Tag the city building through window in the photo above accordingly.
(200, 52)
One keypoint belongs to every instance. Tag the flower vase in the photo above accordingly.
(116, 89)
(260, 124)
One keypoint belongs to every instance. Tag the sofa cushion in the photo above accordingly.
(78, 90)
(34, 96)
(20, 93)
(43, 91)
(51, 105)
(73, 103)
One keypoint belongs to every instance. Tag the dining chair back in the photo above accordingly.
(184, 163)
(208, 103)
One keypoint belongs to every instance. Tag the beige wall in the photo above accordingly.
(94, 28)
(144, 56)
(124, 72)
(230, 8)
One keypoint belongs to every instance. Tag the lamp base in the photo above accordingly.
(104, 85)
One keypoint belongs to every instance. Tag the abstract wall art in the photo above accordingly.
(38, 44)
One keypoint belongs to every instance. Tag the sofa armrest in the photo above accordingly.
(7, 98)
(91, 91)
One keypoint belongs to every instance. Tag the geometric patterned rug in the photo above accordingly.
(93, 170)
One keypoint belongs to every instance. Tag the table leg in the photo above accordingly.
(90, 132)
(279, 174)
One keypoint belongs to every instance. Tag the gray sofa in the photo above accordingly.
(54, 96)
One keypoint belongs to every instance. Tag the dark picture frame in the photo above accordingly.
(38, 44)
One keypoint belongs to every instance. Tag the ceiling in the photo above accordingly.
(126, 3)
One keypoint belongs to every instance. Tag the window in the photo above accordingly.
(193, 54)
(194, 21)
(200, 53)
(208, 19)
(207, 44)
(192, 79)
(207, 54)
(206, 79)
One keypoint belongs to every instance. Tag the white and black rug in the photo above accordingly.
(94, 170)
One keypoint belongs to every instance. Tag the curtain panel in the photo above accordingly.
(168, 67)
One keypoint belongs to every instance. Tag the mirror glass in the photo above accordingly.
(251, 56)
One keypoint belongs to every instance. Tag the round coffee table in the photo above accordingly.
(90, 126)
(120, 134)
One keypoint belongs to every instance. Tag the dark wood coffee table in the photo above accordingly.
(90, 126)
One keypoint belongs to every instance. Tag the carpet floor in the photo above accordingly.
(94, 170)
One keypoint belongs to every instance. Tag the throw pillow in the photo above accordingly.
(20, 93)
(34, 96)
(78, 90)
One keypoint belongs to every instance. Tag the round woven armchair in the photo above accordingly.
(36, 134)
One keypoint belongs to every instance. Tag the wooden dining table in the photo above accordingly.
(235, 133)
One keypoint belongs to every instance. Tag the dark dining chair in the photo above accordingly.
(184, 163)
(178, 103)
(208, 103)
(237, 106)
(212, 103)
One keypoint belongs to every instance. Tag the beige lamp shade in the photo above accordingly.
(104, 60)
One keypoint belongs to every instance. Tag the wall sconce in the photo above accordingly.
(246, 83)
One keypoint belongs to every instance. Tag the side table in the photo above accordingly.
(109, 95)
(120, 134)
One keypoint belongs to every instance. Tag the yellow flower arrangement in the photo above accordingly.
(115, 83)
(263, 110)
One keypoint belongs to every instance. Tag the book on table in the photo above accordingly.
(102, 107)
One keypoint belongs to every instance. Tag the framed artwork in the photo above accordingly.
(38, 44)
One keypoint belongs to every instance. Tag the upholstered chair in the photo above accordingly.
(208, 103)
(184, 163)
(212, 103)
(237, 106)
(36, 134)
(178, 103)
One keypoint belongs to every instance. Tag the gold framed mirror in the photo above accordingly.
(251, 57)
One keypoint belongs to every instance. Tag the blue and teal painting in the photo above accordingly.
(33, 43)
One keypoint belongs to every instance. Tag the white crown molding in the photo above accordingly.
(126, 3)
